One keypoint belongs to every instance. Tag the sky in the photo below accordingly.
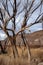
(19, 19)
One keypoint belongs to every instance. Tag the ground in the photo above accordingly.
(24, 58)
(36, 54)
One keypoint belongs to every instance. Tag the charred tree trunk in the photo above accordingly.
(15, 51)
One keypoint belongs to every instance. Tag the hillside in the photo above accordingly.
(34, 40)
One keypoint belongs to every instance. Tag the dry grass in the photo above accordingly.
(8, 59)
(24, 58)
(37, 52)
(36, 56)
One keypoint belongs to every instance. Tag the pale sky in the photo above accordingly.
(20, 18)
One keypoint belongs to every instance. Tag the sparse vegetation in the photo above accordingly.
(20, 47)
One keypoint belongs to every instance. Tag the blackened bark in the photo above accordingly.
(15, 51)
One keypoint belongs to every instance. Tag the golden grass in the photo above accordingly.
(36, 56)
(36, 52)
(8, 59)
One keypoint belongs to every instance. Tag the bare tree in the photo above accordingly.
(6, 16)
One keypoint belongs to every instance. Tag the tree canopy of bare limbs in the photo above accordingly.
(11, 9)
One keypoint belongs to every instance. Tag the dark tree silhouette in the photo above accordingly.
(5, 16)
